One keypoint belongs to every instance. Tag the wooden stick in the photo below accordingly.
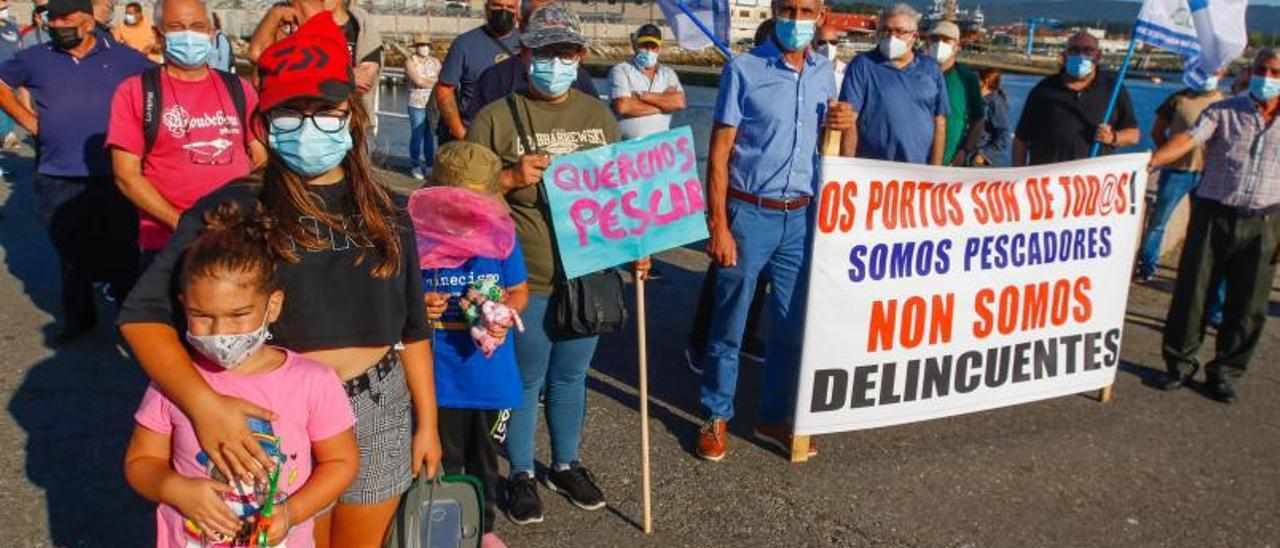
(644, 404)
(799, 449)
(1107, 394)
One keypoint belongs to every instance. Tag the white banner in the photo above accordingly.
(939, 291)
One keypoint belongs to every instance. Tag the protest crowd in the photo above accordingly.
(314, 345)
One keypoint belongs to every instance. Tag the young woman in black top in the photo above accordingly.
(349, 264)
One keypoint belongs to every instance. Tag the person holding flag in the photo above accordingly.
(1234, 231)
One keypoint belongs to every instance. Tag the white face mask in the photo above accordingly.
(941, 51)
(4, 13)
(893, 47)
(229, 351)
(826, 50)
(424, 50)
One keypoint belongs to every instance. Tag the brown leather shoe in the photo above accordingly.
(779, 436)
(713, 440)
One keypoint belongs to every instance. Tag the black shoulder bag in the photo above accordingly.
(591, 304)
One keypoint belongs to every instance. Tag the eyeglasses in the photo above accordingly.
(900, 33)
(564, 52)
(328, 121)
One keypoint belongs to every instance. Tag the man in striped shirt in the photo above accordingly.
(1233, 233)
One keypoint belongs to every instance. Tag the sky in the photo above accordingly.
(1251, 2)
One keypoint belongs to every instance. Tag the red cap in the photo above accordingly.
(311, 62)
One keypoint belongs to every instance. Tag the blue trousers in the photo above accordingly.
(561, 366)
(1174, 185)
(771, 243)
(422, 142)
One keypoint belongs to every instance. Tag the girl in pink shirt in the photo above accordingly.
(231, 295)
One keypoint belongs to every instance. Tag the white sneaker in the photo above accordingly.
(417, 174)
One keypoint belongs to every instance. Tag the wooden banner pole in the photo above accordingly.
(641, 332)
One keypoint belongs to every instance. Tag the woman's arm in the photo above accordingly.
(147, 469)
(419, 374)
(336, 461)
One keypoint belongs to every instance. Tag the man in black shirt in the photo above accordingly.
(1063, 114)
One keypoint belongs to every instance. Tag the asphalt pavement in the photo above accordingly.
(1148, 469)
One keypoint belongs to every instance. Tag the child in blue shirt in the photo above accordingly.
(463, 240)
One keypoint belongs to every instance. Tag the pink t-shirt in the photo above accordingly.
(200, 145)
(311, 405)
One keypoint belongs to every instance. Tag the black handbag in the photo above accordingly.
(591, 304)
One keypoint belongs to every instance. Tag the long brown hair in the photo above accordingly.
(287, 197)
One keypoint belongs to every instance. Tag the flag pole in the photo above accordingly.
(724, 50)
(1115, 91)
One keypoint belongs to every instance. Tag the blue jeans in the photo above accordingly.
(1174, 185)
(422, 142)
(772, 244)
(561, 365)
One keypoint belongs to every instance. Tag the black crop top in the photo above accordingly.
(330, 301)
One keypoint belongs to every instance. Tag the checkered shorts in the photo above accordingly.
(384, 432)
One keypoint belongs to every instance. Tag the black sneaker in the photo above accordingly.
(523, 505)
(578, 484)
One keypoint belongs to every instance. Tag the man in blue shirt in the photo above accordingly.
(899, 98)
(93, 227)
(762, 172)
(469, 55)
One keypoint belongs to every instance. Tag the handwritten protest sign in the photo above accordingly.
(615, 204)
(938, 291)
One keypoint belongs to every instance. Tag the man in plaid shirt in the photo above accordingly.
(1233, 233)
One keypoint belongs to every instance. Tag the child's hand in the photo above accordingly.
(436, 305)
(426, 450)
(202, 501)
(280, 525)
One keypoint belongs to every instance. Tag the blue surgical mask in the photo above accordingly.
(187, 48)
(1263, 88)
(1079, 66)
(795, 34)
(552, 77)
(1209, 84)
(307, 150)
(647, 58)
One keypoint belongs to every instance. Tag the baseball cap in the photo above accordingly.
(312, 62)
(648, 34)
(946, 29)
(552, 24)
(420, 38)
(463, 164)
(59, 8)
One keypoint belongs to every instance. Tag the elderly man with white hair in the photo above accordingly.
(899, 98)
(180, 130)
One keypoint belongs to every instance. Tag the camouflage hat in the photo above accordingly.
(462, 164)
(552, 24)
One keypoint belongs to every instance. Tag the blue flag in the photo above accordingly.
(1209, 34)
(712, 14)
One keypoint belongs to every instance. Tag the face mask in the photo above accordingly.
(826, 50)
(187, 48)
(500, 21)
(646, 58)
(130, 19)
(552, 77)
(307, 150)
(1079, 66)
(424, 51)
(893, 47)
(795, 34)
(230, 351)
(4, 13)
(1209, 84)
(65, 38)
(1263, 88)
(941, 51)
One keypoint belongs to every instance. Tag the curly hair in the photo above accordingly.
(233, 242)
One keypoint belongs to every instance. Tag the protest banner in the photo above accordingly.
(938, 291)
(615, 204)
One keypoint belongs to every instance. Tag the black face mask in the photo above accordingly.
(65, 38)
(500, 21)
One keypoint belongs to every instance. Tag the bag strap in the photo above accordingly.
(152, 102)
(497, 41)
(525, 138)
(235, 88)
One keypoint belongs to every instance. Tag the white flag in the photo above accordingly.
(1209, 34)
(713, 14)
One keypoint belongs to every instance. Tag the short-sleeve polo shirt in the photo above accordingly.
(73, 102)
(896, 106)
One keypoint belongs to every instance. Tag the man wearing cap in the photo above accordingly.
(644, 93)
(201, 138)
(93, 227)
(761, 174)
(1062, 117)
(469, 55)
(526, 129)
(421, 72)
(968, 112)
(899, 98)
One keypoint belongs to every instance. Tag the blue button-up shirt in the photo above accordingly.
(73, 102)
(778, 113)
(896, 106)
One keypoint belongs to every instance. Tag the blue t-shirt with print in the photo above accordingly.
(465, 378)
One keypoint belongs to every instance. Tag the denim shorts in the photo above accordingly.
(384, 432)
